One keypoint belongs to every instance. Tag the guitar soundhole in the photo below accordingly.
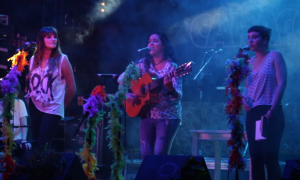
(143, 91)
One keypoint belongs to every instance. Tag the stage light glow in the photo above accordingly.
(97, 13)
(200, 25)
(110, 7)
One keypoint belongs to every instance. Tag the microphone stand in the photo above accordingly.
(233, 75)
(208, 60)
(9, 105)
(86, 114)
(200, 71)
(84, 117)
(138, 56)
(239, 52)
(9, 108)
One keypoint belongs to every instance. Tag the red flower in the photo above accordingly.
(20, 60)
(9, 166)
(99, 90)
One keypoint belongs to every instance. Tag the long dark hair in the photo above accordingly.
(55, 54)
(168, 49)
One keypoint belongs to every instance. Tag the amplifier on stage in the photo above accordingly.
(3, 19)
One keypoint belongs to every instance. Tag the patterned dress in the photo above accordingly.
(168, 107)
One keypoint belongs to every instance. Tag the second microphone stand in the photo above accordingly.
(201, 71)
(208, 60)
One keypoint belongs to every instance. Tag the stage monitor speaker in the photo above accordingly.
(73, 171)
(164, 167)
(289, 168)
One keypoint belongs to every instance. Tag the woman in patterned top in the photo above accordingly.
(159, 127)
(51, 86)
(264, 91)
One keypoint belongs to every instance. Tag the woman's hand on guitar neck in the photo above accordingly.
(168, 83)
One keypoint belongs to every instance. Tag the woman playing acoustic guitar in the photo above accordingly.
(159, 126)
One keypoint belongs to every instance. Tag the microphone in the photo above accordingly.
(220, 50)
(245, 48)
(209, 51)
(106, 75)
(144, 49)
(27, 44)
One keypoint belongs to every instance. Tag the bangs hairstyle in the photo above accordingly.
(55, 54)
(263, 31)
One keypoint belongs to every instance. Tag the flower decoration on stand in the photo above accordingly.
(8, 87)
(19, 59)
(237, 71)
(93, 109)
(115, 128)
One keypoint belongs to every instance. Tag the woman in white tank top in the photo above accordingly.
(51, 86)
(264, 91)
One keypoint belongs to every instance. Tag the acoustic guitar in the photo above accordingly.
(146, 89)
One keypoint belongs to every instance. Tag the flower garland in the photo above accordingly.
(94, 109)
(237, 71)
(114, 127)
(8, 87)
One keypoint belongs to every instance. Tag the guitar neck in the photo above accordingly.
(182, 70)
(158, 82)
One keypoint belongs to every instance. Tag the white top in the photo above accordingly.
(262, 84)
(47, 89)
(18, 112)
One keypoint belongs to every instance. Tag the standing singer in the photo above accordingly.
(51, 86)
(264, 91)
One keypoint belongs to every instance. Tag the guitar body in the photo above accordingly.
(142, 105)
(146, 89)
